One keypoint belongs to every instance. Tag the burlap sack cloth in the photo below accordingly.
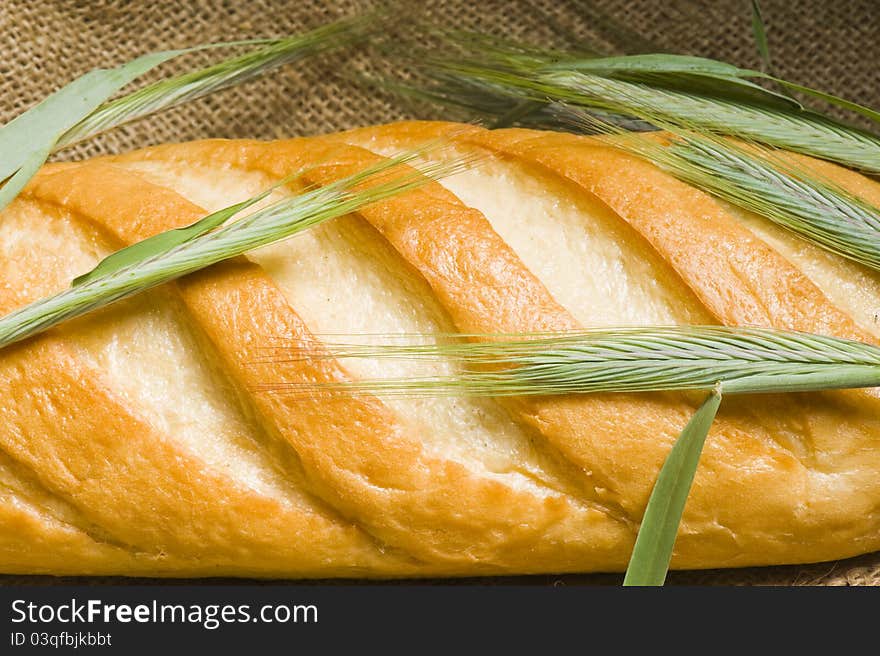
(832, 45)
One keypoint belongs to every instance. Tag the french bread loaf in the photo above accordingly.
(155, 438)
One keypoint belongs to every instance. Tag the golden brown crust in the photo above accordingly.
(784, 478)
(722, 256)
(357, 456)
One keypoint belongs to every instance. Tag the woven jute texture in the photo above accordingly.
(834, 46)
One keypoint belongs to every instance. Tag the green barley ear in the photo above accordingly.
(717, 359)
(757, 179)
(742, 360)
(710, 95)
(215, 238)
(789, 128)
(174, 91)
(82, 109)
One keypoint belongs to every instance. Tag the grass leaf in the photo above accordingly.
(28, 169)
(867, 112)
(680, 72)
(157, 244)
(652, 553)
(44, 123)
(760, 32)
(27, 140)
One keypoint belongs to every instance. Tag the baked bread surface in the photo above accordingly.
(156, 438)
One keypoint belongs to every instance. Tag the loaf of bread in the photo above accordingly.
(155, 437)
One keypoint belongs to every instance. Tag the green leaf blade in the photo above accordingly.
(35, 133)
(652, 553)
(26, 171)
(69, 105)
(759, 30)
(654, 63)
(843, 103)
(164, 241)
